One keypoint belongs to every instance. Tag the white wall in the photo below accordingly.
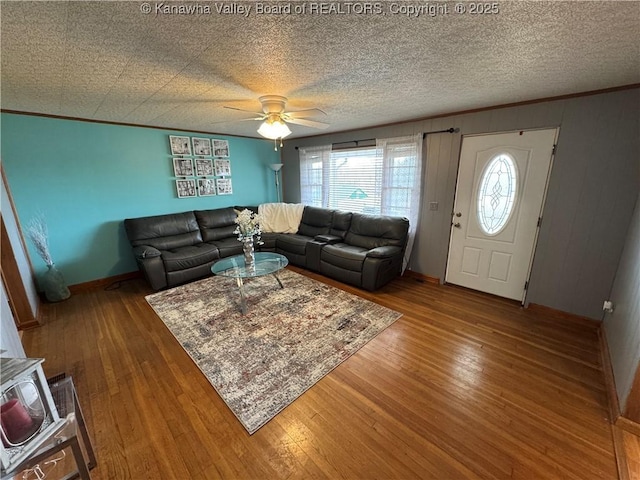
(10, 343)
(622, 327)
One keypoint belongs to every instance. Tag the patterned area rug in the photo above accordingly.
(289, 339)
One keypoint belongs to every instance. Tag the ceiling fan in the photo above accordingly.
(274, 117)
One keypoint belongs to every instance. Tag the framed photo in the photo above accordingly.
(204, 167)
(186, 188)
(206, 187)
(180, 145)
(182, 167)
(223, 168)
(220, 148)
(223, 186)
(201, 146)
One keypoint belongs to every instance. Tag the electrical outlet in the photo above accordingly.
(608, 306)
(433, 206)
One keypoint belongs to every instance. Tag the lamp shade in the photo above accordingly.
(274, 129)
(276, 166)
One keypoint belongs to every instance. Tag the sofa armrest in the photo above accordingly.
(328, 239)
(150, 262)
(384, 252)
(145, 251)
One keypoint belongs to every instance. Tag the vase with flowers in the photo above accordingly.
(52, 282)
(248, 231)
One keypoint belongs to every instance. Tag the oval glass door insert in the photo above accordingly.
(497, 194)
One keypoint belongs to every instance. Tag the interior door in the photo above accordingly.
(501, 187)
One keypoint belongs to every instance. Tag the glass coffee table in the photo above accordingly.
(265, 263)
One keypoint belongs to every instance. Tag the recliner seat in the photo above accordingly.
(169, 248)
(371, 253)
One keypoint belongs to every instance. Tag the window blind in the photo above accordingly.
(355, 181)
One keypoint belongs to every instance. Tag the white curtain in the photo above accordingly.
(314, 171)
(401, 182)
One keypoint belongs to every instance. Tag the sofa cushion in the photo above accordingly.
(315, 221)
(164, 232)
(293, 243)
(371, 231)
(347, 257)
(216, 224)
(190, 256)
(228, 246)
(341, 223)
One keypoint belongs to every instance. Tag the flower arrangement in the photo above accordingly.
(39, 235)
(248, 225)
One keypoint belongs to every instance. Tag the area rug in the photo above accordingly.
(289, 339)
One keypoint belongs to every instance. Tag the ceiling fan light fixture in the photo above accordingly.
(274, 129)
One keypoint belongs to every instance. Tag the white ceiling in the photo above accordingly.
(109, 61)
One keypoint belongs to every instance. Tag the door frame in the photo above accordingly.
(15, 286)
(524, 301)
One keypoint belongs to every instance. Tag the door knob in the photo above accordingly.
(457, 224)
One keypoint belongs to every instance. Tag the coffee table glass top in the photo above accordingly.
(265, 263)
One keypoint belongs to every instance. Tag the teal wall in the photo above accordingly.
(86, 178)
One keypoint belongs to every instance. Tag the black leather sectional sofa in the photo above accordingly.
(361, 250)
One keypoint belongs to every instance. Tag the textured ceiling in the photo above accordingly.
(110, 61)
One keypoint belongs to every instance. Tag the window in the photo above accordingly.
(380, 180)
(355, 181)
(359, 180)
(496, 194)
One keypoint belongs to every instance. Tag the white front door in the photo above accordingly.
(501, 186)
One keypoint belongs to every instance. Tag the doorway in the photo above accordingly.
(502, 182)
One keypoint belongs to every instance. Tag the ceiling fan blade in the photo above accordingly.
(304, 113)
(243, 110)
(308, 123)
(239, 120)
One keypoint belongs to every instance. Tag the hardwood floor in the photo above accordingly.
(463, 386)
(632, 454)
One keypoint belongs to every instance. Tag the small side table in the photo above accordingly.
(68, 435)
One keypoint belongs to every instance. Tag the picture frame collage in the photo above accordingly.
(207, 160)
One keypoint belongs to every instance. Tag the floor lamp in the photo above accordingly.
(276, 168)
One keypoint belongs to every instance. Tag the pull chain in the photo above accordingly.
(275, 144)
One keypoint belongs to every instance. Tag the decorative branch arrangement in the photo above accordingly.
(52, 281)
(39, 235)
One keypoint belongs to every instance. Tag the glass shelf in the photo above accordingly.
(72, 434)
